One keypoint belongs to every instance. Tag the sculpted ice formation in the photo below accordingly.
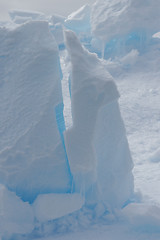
(32, 154)
(45, 171)
(96, 144)
(118, 17)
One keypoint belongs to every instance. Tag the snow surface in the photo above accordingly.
(47, 193)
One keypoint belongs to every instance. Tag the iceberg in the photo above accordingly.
(48, 172)
(118, 17)
(32, 152)
(96, 144)
(123, 25)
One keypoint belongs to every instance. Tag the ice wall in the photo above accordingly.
(123, 25)
(116, 28)
(119, 17)
(32, 153)
(96, 144)
(43, 176)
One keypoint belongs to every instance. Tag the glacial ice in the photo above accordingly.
(79, 21)
(118, 17)
(142, 217)
(20, 16)
(96, 143)
(122, 25)
(52, 206)
(38, 166)
(46, 171)
(57, 31)
(116, 27)
(32, 153)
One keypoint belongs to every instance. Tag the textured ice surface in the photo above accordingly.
(114, 162)
(32, 154)
(96, 144)
(118, 17)
(33, 160)
(123, 25)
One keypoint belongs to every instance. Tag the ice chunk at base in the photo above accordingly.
(15, 215)
(52, 206)
(96, 144)
(32, 154)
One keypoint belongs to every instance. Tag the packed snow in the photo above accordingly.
(80, 123)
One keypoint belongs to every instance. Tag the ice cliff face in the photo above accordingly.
(31, 144)
(96, 145)
(120, 26)
(119, 17)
